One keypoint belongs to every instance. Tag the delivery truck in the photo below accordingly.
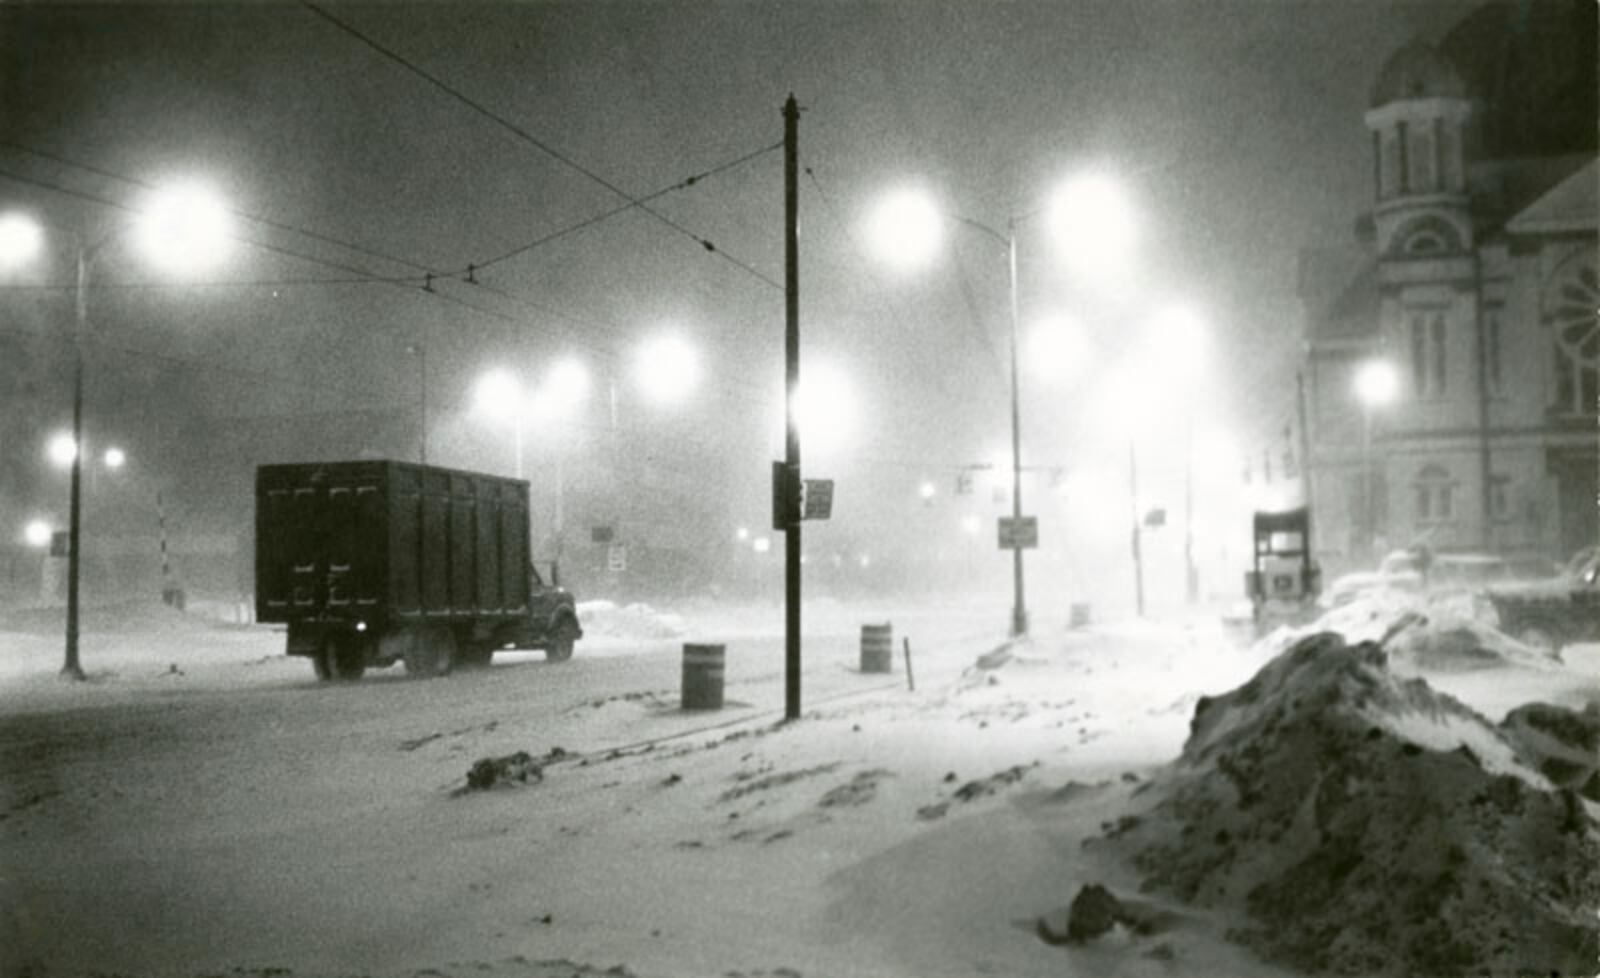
(370, 563)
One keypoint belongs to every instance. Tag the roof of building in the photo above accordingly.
(1417, 70)
(1571, 205)
(1530, 66)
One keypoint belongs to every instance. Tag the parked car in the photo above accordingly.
(1552, 613)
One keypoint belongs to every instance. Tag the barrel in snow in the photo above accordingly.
(702, 676)
(877, 648)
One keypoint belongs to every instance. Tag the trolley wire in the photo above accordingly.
(541, 145)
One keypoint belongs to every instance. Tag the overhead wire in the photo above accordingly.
(541, 145)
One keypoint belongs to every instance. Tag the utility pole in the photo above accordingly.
(791, 352)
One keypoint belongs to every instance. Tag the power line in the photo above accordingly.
(253, 218)
(540, 145)
(623, 208)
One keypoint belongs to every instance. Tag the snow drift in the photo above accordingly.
(1367, 824)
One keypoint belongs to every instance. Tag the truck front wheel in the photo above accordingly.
(562, 639)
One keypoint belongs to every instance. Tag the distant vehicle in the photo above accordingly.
(375, 562)
(1283, 581)
(1555, 612)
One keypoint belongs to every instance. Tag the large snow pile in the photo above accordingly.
(607, 618)
(1367, 824)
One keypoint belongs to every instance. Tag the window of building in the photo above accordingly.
(1492, 316)
(1420, 152)
(1570, 303)
(1500, 497)
(1429, 351)
(1435, 495)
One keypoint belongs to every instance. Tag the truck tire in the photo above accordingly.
(562, 638)
(474, 655)
(431, 652)
(341, 658)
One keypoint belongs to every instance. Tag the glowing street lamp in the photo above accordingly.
(37, 534)
(1377, 384)
(181, 229)
(115, 458)
(62, 449)
(666, 369)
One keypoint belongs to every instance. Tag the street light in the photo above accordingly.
(179, 228)
(1089, 218)
(1377, 382)
(37, 534)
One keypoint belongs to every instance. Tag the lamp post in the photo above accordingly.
(1376, 383)
(420, 351)
(180, 227)
(1087, 210)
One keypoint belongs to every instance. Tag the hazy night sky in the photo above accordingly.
(1236, 128)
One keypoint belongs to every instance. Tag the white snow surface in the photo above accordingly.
(202, 805)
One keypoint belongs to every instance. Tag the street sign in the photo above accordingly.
(617, 558)
(60, 544)
(1019, 533)
(817, 499)
(1156, 518)
(602, 534)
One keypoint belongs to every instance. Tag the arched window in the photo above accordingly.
(1435, 494)
(1571, 307)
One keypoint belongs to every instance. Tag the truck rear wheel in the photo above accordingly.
(431, 652)
(341, 658)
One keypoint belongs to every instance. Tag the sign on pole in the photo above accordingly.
(617, 558)
(817, 499)
(1019, 533)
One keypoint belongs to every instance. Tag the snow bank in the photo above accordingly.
(608, 619)
(1368, 824)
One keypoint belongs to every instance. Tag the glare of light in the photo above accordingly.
(115, 458)
(1092, 222)
(1216, 456)
(761, 545)
(824, 408)
(905, 228)
(1179, 342)
(1376, 384)
(62, 450)
(37, 533)
(1056, 348)
(865, 560)
(742, 534)
(184, 227)
(971, 525)
(666, 368)
(566, 385)
(498, 395)
(927, 490)
(20, 238)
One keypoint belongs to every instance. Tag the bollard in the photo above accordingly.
(702, 676)
(877, 648)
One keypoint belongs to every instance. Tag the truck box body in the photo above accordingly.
(386, 543)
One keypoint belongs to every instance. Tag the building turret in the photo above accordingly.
(1418, 115)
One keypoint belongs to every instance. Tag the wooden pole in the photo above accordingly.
(791, 350)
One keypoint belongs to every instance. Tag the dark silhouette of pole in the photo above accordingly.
(1019, 606)
(71, 668)
(791, 352)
